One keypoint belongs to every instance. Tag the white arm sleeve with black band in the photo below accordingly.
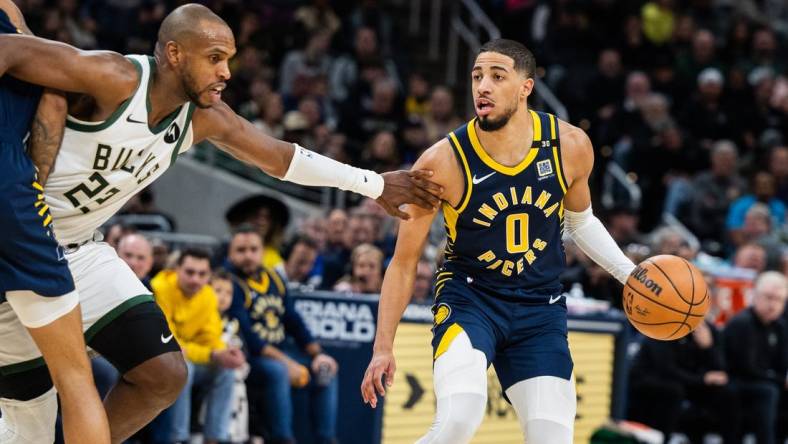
(312, 169)
(593, 239)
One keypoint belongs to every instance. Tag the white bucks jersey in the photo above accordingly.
(101, 165)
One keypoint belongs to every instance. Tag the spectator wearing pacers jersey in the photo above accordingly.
(266, 319)
(190, 306)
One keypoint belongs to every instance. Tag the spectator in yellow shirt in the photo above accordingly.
(190, 306)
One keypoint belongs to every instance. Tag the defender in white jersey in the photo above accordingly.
(134, 116)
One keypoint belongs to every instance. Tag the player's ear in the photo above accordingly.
(525, 88)
(173, 53)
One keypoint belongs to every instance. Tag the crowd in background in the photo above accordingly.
(689, 98)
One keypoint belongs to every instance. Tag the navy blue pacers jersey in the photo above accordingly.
(30, 258)
(18, 103)
(505, 234)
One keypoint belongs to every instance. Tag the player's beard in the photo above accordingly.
(191, 90)
(488, 124)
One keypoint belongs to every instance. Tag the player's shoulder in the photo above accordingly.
(435, 155)
(573, 137)
(576, 146)
(124, 71)
(122, 76)
(440, 159)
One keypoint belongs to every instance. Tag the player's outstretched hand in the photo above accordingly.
(382, 364)
(409, 187)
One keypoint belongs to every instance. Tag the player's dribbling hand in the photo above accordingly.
(382, 364)
(408, 187)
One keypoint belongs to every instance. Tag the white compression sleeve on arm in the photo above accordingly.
(312, 169)
(593, 239)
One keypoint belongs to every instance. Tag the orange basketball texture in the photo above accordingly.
(666, 297)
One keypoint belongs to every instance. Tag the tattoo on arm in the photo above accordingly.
(46, 133)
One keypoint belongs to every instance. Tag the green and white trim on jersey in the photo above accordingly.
(103, 164)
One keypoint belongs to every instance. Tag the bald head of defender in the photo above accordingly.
(196, 45)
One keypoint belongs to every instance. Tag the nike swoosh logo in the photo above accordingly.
(129, 119)
(169, 338)
(554, 299)
(478, 180)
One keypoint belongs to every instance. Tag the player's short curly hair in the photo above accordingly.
(524, 61)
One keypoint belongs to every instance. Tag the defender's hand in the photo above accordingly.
(383, 363)
(409, 187)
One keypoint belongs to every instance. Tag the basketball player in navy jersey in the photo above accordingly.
(36, 282)
(514, 180)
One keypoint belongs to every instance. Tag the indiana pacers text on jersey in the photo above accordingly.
(510, 218)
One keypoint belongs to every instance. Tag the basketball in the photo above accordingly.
(666, 297)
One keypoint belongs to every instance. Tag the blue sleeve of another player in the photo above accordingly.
(294, 323)
(238, 310)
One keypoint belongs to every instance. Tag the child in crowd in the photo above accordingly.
(221, 281)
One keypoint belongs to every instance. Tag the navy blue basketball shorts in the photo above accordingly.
(30, 257)
(521, 339)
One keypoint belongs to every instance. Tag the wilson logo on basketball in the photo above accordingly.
(640, 275)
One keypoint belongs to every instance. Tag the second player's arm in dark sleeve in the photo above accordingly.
(235, 135)
(46, 130)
